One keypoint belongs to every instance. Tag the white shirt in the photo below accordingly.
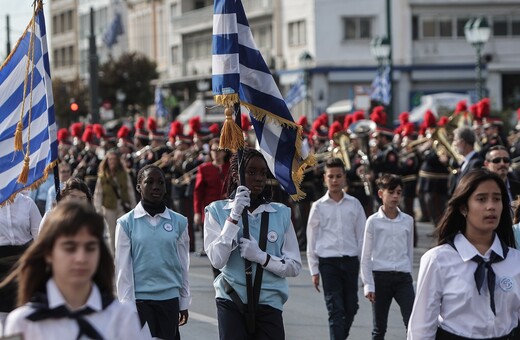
(334, 229)
(19, 221)
(387, 246)
(117, 321)
(220, 241)
(123, 259)
(447, 295)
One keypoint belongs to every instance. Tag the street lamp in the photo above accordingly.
(477, 32)
(380, 49)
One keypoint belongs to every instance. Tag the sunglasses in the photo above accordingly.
(498, 159)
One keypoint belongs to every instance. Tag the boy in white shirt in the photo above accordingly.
(387, 257)
(334, 241)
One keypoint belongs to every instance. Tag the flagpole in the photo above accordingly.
(250, 319)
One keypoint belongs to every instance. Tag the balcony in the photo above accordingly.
(202, 19)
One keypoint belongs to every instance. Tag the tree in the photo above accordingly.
(64, 94)
(131, 74)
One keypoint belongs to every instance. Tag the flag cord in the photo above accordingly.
(24, 174)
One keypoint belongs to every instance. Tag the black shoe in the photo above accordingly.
(201, 253)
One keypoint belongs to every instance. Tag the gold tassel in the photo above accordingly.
(18, 143)
(24, 176)
(231, 137)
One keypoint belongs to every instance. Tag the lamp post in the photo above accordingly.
(306, 61)
(477, 32)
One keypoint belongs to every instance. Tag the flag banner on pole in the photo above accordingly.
(241, 74)
(297, 93)
(160, 108)
(113, 31)
(381, 87)
(28, 143)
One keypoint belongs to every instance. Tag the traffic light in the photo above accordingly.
(74, 107)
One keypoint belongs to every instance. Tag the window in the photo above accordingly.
(357, 28)
(428, 28)
(461, 23)
(173, 11)
(500, 26)
(515, 25)
(415, 27)
(445, 28)
(297, 32)
(174, 55)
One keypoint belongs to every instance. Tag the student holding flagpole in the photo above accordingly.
(276, 258)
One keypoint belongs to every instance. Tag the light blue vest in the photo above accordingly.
(155, 261)
(275, 289)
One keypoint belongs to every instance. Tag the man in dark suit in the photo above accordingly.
(463, 141)
(498, 161)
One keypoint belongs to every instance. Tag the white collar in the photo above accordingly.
(56, 299)
(382, 214)
(327, 197)
(467, 250)
(140, 212)
(261, 208)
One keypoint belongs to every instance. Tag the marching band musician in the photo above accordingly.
(355, 184)
(386, 158)
(88, 161)
(433, 173)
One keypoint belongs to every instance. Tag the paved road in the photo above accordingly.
(305, 315)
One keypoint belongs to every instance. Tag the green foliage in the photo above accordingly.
(64, 94)
(130, 74)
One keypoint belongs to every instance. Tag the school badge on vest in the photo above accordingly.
(272, 236)
(506, 284)
(168, 227)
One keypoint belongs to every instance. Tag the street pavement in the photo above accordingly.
(305, 314)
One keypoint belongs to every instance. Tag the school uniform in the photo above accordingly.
(221, 246)
(334, 242)
(386, 266)
(152, 259)
(447, 296)
(109, 319)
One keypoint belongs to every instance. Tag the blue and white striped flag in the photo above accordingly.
(381, 87)
(40, 146)
(113, 31)
(297, 93)
(240, 72)
(160, 108)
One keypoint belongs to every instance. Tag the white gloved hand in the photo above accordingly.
(250, 250)
(242, 201)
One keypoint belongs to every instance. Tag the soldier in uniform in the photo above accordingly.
(88, 161)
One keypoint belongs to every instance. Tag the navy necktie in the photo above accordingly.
(480, 274)
(42, 312)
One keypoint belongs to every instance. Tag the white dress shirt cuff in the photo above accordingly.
(368, 288)
(229, 232)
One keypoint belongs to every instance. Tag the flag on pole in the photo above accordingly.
(241, 74)
(297, 93)
(381, 87)
(28, 134)
(113, 31)
(160, 108)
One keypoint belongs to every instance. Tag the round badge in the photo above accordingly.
(168, 227)
(506, 284)
(272, 236)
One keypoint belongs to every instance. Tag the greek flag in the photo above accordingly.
(240, 72)
(297, 93)
(113, 31)
(160, 108)
(381, 87)
(28, 64)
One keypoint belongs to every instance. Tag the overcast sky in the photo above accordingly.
(20, 13)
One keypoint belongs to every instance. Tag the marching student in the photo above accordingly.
(468, 285)
(334, 242)
(65, 282)
(276, 258)
(152, 258)
(387, 256)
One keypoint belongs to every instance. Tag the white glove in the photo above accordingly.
(242, 200)
(250, 250)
